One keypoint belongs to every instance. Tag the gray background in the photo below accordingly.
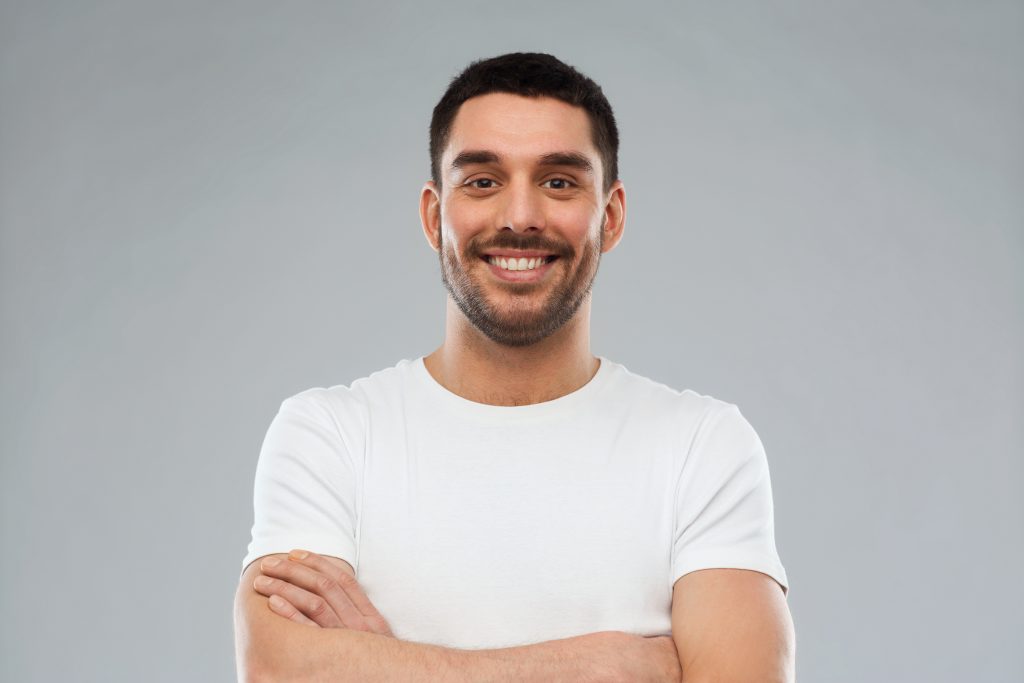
(207, 207)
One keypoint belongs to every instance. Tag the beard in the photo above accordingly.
(521, 322)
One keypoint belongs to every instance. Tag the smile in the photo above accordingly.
(519, 270)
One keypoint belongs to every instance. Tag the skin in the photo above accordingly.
(505, 343)
(527, 342)
(321, 592)
(517, 343)
(318, 590)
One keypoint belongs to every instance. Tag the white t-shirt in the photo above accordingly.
(479, 526)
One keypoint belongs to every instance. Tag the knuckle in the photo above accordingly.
(317, 607)
(325, 585)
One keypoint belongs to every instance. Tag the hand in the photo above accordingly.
(316, 592)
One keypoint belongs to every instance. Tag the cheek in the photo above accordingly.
(576, 222)
(460, 223)
(464, 210)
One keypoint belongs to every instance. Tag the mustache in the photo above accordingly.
(521, 244)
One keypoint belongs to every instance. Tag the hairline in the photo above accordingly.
(446, 134)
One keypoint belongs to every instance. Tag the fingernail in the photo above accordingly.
(276, 601)
(263, 582)
(298, 554)
(272, 562)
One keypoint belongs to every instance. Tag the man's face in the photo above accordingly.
(521, 180)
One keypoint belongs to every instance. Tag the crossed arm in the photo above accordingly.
(735, 624)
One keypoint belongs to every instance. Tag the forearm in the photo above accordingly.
(342, 655)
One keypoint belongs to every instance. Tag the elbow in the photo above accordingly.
(257, 664)
(252, 669)
(247, 674)
(260, 654)
(761, 677)
(766, 678)
(257, 676)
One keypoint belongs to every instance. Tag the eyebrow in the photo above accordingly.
(474, 156)
(570, 159)
(480, 156)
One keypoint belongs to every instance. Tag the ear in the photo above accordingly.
(614, 216)
(430, 214)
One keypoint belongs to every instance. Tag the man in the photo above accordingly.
(511, 507)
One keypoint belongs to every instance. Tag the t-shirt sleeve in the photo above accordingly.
(305, 490)
(723, 501)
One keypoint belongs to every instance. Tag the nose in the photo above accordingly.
(523, 209)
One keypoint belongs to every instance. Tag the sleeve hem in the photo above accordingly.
(729, 558)
(322, 544)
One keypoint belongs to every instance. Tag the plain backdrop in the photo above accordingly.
(206, 207)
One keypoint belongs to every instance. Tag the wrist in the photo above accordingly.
(588, 658)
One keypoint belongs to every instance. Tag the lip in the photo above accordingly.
(512, 253)
(520, 275)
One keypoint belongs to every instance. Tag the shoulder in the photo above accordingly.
(704, 427)
(686, 405)
(355, 397)
(346, 409)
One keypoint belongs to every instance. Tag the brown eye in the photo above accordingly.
(487, 183)
(558, 184)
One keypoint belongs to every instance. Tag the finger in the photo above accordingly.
(355, 592)
(310, 604)
(347, 581)
(286, 609)
(329, 598)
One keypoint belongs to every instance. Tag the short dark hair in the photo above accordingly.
(532, 74)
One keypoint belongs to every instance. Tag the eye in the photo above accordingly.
(481, 183)
(558, 183)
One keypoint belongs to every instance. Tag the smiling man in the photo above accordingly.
(511, 506)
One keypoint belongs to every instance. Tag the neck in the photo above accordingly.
(476, 368)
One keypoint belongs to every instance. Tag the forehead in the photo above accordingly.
(515, 126)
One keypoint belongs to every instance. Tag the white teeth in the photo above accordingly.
(517, 264)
